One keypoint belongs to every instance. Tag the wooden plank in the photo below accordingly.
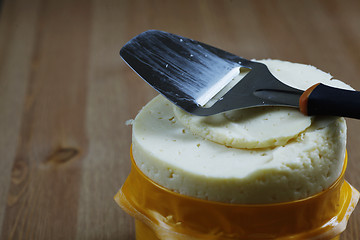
(45, 177)
(15, 67)
(108, 107)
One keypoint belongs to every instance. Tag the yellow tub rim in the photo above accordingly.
(171, 215)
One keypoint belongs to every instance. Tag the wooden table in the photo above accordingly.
(65, 95)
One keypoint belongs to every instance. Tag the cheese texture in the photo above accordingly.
(258, 155)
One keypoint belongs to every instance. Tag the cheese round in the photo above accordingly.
(263, 155)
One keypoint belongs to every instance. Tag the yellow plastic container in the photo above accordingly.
(162, 214)
(143, 232)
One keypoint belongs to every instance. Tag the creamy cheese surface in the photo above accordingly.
(259, 127)
(259, 155)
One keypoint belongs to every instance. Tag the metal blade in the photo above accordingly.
(189, 73)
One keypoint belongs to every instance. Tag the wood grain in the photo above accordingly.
(65, 95)
(46, 170)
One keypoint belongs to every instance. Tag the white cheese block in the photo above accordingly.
(263, 155)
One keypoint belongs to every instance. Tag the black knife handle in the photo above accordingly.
(321, 99)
